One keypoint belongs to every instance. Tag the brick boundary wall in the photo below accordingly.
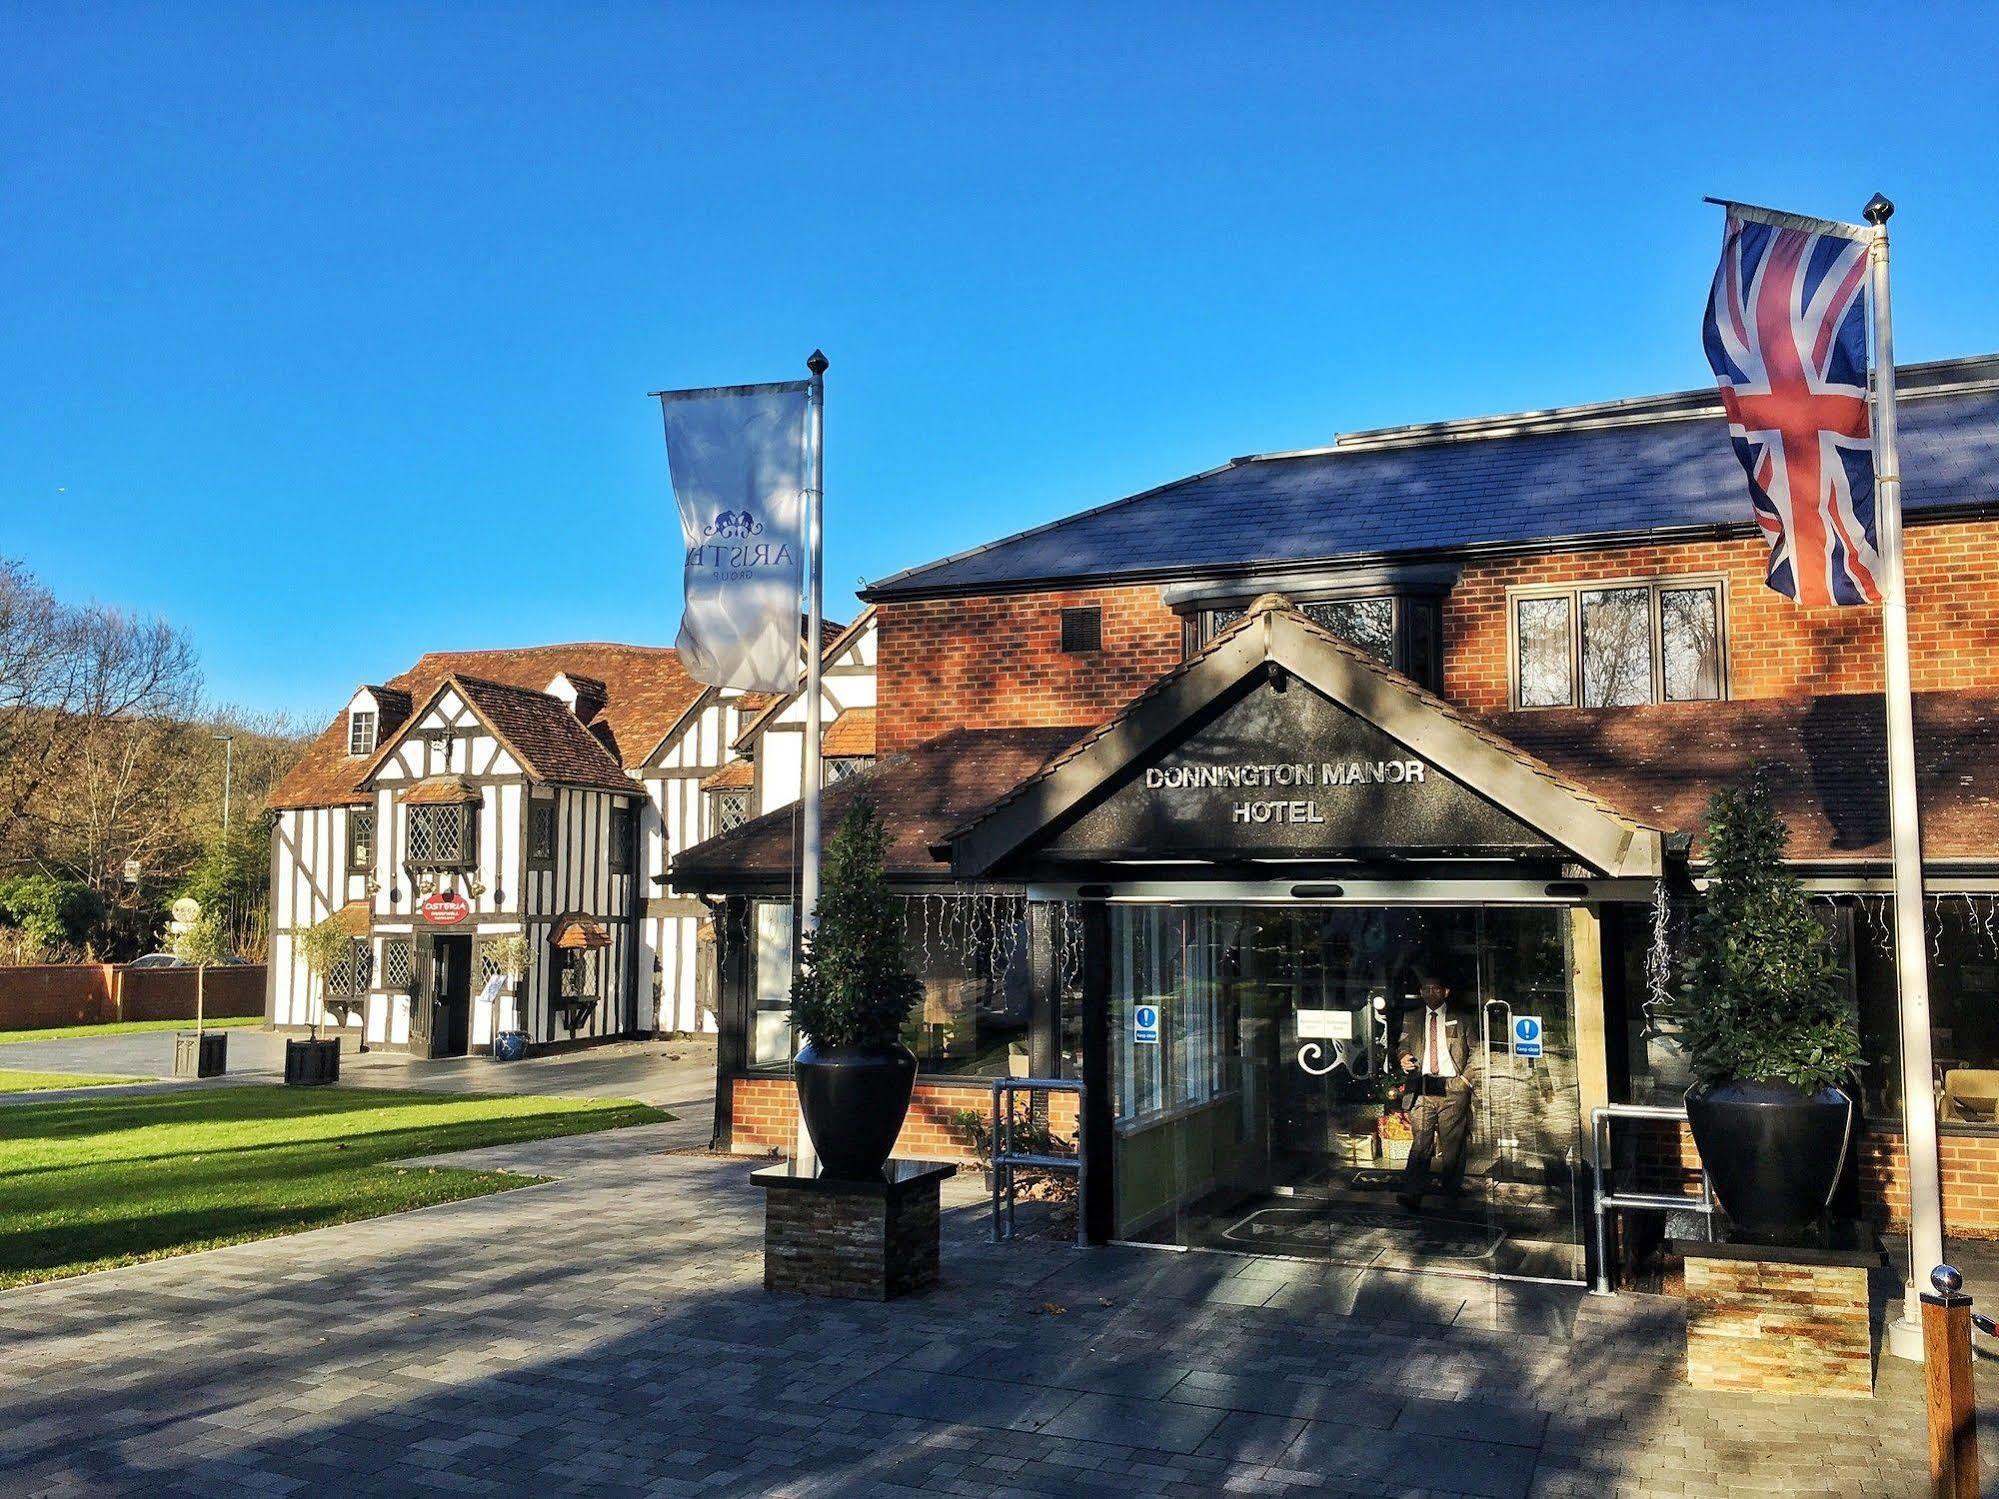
(40, 995)
(1668, 1162)
(766, 1118)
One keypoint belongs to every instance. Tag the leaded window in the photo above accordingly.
(360, 839)
(1618, 646)
(732, 809)
(443, 837)
(621, 838)
(348, 977)
(839, 767)
(580, 974)
(489, 966)
(396, 964)
(541, 834)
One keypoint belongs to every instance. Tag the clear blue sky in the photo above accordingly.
(325, 330)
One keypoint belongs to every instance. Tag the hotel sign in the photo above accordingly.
(1290, 774)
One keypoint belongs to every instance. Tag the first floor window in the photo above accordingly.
(1618, 646)
(443, 837)
(396, 964)
(348, 978)
(1403, 632)
(360, 840)
(621, 838)
(731, 810)
(541, 834)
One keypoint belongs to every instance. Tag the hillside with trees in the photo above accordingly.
(111, 782)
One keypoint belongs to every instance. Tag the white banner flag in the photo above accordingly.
(737, 454)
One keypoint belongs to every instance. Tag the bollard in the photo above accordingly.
(1947, 1366)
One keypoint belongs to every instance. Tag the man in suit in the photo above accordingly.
(1436, 1056)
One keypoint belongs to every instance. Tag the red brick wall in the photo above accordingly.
(1667, 1161)
(1775, 649)
(997, 662)
(42, 995)
(766, 1118)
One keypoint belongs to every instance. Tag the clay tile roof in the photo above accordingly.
(549, 739)
(737, 775)
(852, 733)
(353, 919)
(920, 794)
(573, 931)
(442, 791)
(645, 693)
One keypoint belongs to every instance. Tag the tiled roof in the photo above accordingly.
(737, 775)
(1634, 467)
(920, 795)
(1658, 765)
(645, 688)
(543, 732)
(1663, 763)
(442, 791)
(759, 708)
(852, 733)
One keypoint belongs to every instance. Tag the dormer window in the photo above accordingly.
(361, 725)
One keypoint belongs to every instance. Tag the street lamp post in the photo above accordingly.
(228, 772)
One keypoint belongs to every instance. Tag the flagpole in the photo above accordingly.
(803, 1154)
(1912, 979)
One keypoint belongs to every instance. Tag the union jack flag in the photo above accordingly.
(1786, 334)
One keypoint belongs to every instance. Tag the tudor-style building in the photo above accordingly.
(538, 793)
(1185, 791)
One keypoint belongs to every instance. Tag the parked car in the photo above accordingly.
(168, 960)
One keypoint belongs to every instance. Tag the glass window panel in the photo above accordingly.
(1421, 637)
(1546, 670)
(1367, 623)
(1690, 644)
(1617, 647)
(972, 955)
(770, 1022)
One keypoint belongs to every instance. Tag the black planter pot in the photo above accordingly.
(854, 1099)
(1773, 1153)
(310, 1063)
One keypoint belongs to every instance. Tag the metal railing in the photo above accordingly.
(1006, 1159)
(1608, 1202)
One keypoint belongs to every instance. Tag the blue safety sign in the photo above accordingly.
(1527, 1035)
(1145, 1025)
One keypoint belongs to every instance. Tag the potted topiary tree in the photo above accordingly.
(1767, 1027)
(315, 1061)
(198, 939)
(849, 1000)
(510, 956)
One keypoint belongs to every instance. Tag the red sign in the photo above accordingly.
(447, 909)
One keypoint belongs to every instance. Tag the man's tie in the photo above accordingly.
(1430, 1061)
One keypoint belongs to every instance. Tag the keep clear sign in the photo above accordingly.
(1145, 1025)
(1527, 1035)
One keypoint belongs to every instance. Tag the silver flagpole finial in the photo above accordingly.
(1878, 209)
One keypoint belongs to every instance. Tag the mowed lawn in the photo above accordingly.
(123, 1028)
(13, 1081)
(92, 1182)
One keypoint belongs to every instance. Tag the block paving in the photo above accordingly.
(608, 1333)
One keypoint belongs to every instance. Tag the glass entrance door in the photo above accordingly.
(1294, 1067)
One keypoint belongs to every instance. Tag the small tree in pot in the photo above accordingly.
(849, 1000)
(1767, 1027)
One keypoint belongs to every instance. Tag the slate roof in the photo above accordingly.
(1659, 765)
(920, 795)
(1646, 467)
(646, 692)
(1664, 762)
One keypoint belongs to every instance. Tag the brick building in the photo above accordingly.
(1187, 792)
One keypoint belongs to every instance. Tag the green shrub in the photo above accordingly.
(1764, 999)
(54, 917)
(853, 986)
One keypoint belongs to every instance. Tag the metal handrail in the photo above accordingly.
(1599, 1120)
(1005, 1158)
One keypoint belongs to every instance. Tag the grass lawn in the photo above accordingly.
(92, 1182)
(124, 1028)
(40, 1082)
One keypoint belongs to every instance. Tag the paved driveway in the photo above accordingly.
(608, 1334)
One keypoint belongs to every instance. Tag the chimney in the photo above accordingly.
(585, 696)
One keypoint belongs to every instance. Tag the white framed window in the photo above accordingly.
(1618, 644)
(361, 724)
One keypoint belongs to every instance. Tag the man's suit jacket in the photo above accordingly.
(1457, 1036)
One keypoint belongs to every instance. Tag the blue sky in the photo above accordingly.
(325, 331)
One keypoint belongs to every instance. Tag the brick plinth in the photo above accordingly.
(765, 1118)
(1777, 1327)
(860, 1241)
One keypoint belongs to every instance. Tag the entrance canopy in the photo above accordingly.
(1280, 742)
